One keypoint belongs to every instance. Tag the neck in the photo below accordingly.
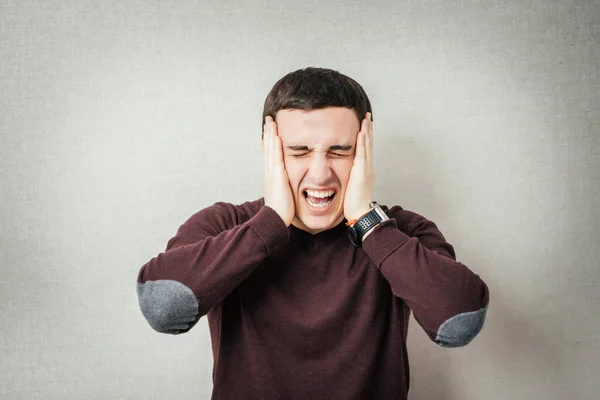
(300, 225)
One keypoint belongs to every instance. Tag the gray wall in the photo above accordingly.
(119, 120)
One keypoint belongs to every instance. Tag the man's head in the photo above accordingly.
(318, 114)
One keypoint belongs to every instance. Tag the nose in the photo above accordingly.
(320, 171)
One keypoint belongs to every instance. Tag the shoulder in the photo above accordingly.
(226, 215)
(214, 219)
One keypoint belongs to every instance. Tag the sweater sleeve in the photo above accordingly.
(448, 300)
(209, 257)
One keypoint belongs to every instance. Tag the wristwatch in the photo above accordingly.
(357, 230)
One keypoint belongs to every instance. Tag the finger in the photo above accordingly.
(277, 144)
(267, 143)
(265, 129)
(273, 126)
(278, 152)
(265, 125)
(271, 158)
(275, 157)
(360, 145)
(369, 137)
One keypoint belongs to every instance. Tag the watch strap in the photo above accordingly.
(366, 222)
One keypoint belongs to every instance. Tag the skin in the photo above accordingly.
(318, 149)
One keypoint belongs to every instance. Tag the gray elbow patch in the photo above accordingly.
(169, 306)
(461, 329)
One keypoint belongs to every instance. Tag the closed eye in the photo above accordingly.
(332, 154)
(299, 155)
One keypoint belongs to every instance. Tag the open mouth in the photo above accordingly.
(319, 199)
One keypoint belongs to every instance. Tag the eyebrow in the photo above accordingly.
(336, 147)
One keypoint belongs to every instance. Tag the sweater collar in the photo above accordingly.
(301, 236)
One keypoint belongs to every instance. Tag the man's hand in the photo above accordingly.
(278, 193)
(359, 191)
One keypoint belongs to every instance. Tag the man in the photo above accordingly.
(308, 290)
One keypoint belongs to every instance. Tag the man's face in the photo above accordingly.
(318, 152)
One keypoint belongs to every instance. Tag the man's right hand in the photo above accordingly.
(278, 193)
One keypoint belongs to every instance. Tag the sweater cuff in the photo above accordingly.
(384, 240)
(270, 227)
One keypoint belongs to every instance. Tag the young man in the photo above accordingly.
(308, 290)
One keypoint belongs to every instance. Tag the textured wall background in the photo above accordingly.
(119, 120)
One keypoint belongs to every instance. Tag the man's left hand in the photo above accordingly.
(359, 191)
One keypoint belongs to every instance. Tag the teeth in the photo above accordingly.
(320, 194)
(321, 205)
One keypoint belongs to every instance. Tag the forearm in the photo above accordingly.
(443, 293)
(179, 286)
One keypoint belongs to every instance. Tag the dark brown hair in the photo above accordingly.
(314, 88)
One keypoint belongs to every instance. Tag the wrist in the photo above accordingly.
(281, 215)
(367, 233)
(360, 229)
(354, 216)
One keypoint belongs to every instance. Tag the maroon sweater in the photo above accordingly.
(298, 316)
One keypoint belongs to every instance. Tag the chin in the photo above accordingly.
(315, 220)
(318, 224)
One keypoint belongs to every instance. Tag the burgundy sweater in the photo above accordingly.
(299, 316)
